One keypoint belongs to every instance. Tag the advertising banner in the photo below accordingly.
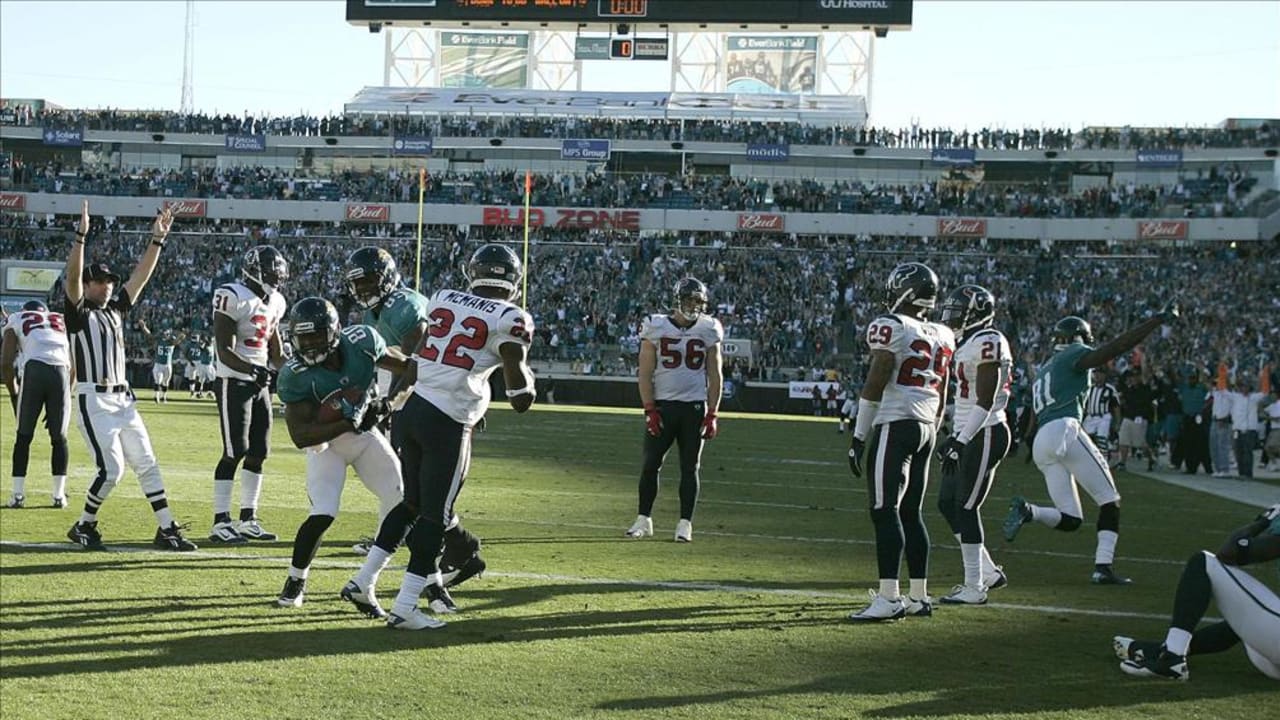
(594, 150)
(411, 145)
(187, 208)
(773, 64)
(484, 60)
(953, 156)
(246, 143)
(367, 212)
(13, 202)
(802, 390)
(763, 152)
(577, 218)
(762, 222)
(1163, 229)
(63, 138)
(962, 227)
(1154, 158)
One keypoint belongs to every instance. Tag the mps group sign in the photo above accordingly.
(593, 150)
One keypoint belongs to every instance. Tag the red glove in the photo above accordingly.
(709, 427)
(652, 420)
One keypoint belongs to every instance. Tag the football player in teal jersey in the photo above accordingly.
(331, 409)
(1063, 450)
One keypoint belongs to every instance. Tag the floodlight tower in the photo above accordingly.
(188, 59)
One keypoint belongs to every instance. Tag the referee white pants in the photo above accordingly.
(1068, 458)
(114, 432)
(1251, 609)
(375, 464)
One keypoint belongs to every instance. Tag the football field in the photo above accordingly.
(574, 621)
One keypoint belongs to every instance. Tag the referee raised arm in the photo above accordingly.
(105, 409)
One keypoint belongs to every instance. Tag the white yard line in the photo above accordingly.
(1254, 494)
(853, 597)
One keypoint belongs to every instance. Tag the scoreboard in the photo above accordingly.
(699, 14)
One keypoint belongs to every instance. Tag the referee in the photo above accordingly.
(1101, 411)
(105, 410)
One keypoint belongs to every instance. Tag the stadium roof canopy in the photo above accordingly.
(816, 110)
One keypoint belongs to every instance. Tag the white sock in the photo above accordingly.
(19, 486)
(1178, 641)
(889, 589)
(164, 517)
(1046, 515)
(988, 565)
(374, 563)
(1106, 553)
(59, 485)
(919, 588)
(958, 540)
(299, 573)
(972, 555)
(88, 517)
(411, 588)
(222, 496)
(250, 489)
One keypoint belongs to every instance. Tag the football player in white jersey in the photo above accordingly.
(246, 318)
(471, 334)
(680, 386)
(40, 338)
(983, 367)
(1250, 610)
(898, 414)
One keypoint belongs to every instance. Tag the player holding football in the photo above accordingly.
(983, 368)
(898, 415)
(246, 315)
(1062, 449)
(333, 369)
(680, 386)
(471, 335)
(1250, 610)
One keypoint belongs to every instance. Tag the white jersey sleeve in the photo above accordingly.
(983, 348)
(681, 371)
(42, 336)
(256, 321)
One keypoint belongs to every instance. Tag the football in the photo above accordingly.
(331, 406)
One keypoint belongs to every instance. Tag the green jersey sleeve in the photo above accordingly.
(292, 385)
(403, 312)
(367, 339)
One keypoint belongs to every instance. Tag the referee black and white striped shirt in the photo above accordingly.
(1099, 400)
(97, 340)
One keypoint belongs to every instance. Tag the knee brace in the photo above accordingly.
(1068, 523)
(1109, 517)
(884, 515)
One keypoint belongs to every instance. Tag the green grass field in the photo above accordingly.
(572, 620)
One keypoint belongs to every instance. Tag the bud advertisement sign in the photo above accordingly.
(367, 212)
(1163, 229)
(484, 60)
(186, 208)
(762, 222)
(962, 227)
(13, 202)
(772, 64)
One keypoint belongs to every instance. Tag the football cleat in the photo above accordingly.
(362, 547)
(413, 619)
(1162, 665)
(226, 534)
(295, 590)
(1019, 515)
(439, 600)
(918, 608)
(965, 595)
(86, 535)
(171, 538)
(455, 576)
(60, 502)
(642, 527)
(684, 531)
(1127, 648)
(364, 600)
(1104, 575)
(252, 530)
(880, 610)
(17, 501)
(998, 581)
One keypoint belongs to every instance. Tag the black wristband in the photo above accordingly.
(157, 243)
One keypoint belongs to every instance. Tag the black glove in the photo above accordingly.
(950, 454)
(261, 376)
(856, 449)
(1171, 311)
(374, 411)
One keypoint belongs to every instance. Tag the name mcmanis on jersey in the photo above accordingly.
(471, 302)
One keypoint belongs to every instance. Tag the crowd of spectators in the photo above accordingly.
(802, 304)
(735, 130)
(1218, 192)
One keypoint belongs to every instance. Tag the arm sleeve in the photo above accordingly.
(290, 387)
(73, 314)
(370, 342)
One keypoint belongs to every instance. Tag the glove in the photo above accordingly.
(261, 376)
(652, 420)
(1271, 513)
(1171, 311)
(856, 449)
(353, 412)
(710, 428)
(950, 454)
(374, 412)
